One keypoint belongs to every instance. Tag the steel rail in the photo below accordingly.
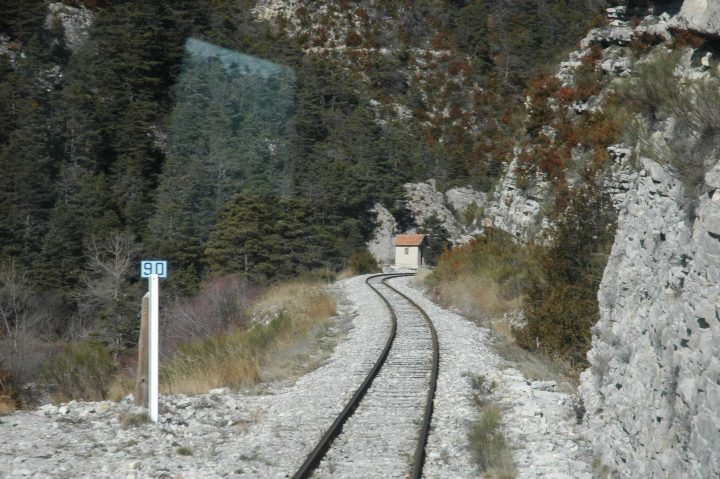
(419, 458)
(316, 455)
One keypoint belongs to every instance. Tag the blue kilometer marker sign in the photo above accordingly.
(149, 267)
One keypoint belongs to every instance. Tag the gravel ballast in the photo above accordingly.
(228, 434)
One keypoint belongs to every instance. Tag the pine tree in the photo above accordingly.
(269, 237)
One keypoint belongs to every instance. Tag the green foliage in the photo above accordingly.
(135, 133)
(184, 451)
(561, 310)
(489, 449)
(81, 370)
(268, 237)
(437, 237)
(495, 255)
(654, 92)
(231, 131)
(362, 262)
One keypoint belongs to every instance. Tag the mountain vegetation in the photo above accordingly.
(228, 144)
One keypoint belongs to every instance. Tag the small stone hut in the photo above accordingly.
(409, 250)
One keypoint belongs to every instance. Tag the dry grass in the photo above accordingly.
(284, 316)
(120, 386)
(479, 298)
(422, 275)
(130, 419)
(7, 406)
(488, 446)
(476, 292)
(80, 370)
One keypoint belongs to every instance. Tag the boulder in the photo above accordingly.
(702, 16)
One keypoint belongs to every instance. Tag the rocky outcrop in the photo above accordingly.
(461, 199)
(702, 16)
(9, 48)
(381, 244)
(424, 201)
(653, 391)
(75, 22)
(518, 210)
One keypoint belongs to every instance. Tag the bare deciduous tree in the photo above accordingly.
(21, 349)
(104, 297)
(14, 294)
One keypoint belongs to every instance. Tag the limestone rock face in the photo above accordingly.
(699, 15)
(381, 245)
(652, 393)
(516, 210)
(75, 22)
(425, 201)
(460, 199)
(9, 48)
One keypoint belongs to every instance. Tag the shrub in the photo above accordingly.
(494, 260)
(561, 310)
(130, 419)
(437, 238)
(221, 304)
(488, 446)
(353, 39)
(184, 451)
(654, 92)
(362, 262)
(9, 396)
(284, 316)
(81, 370)
(685, 38)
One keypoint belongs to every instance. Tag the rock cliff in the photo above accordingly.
(518, 210)
(652, 392)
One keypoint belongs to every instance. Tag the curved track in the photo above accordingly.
(382, 431)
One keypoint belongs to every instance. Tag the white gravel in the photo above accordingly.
(538, 424)
(380, 438)
(268, 435)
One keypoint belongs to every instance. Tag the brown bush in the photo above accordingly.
(561, 310)
(440, 41)
(353, 39)
(642, 43)
(221, 304)
(9, 396)
(286, 314)
(81, 370)
(685, 38)
(362, 14)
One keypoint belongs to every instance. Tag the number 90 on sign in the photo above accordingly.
(150, 267)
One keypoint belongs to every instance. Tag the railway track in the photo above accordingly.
(382, 431)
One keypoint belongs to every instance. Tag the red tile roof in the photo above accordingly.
(409, 240)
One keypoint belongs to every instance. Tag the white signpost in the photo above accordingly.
(153, 270)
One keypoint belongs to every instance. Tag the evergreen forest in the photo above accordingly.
(189, 130)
